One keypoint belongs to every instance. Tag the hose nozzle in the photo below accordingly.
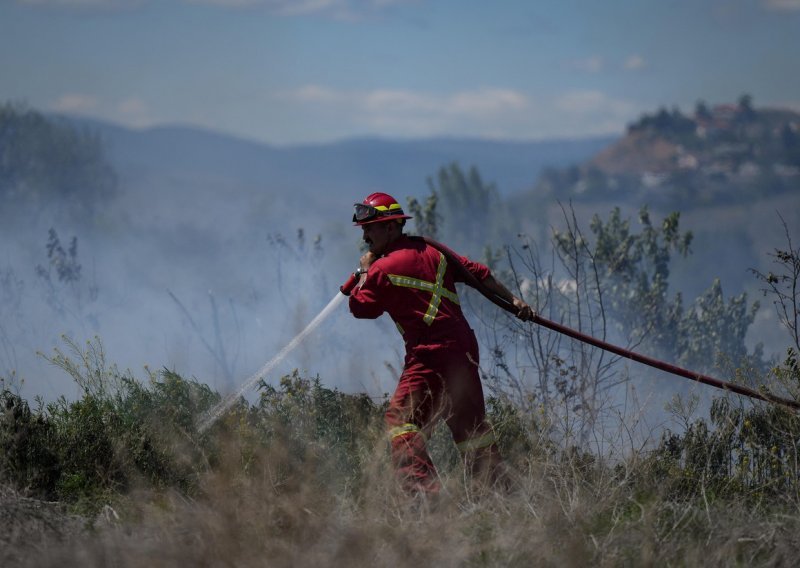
(348, 286)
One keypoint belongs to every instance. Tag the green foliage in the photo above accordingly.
(745, 103)
(634, 274)
(315, 424)
(119, 434)
(47, 162)
(672, 124)
(426, 217)
(521, 436)
(28, 447)
(748, 453)
(713, 331)
(123, 434)
(701, 111)
(741, 452)
(632, 282)
(783, 285)
(466, 210)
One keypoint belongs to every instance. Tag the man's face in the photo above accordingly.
(377, 236)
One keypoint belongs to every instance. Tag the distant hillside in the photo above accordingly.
(730, 153)
(345, 167)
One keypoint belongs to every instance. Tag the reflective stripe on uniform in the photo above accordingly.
(477, 443)
(407, 428)
(437, 289)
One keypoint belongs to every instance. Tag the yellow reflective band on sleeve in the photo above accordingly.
(477, 443)
(437, 289)
(400, 328)
(404, 429)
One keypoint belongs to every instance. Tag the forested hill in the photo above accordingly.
(725, 154)
(347, 167)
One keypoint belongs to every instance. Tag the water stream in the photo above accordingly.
(215, 413)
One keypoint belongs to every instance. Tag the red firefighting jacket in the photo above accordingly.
(415, 285)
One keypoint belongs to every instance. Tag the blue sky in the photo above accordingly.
(304, 71)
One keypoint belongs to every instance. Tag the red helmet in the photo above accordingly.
(378, 207)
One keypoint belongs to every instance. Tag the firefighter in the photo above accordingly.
(414, 283)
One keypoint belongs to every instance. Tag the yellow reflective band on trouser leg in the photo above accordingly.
(477, 443)
(402, 430)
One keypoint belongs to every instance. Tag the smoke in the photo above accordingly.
(264, 371)
(208, 267)
(209, 278)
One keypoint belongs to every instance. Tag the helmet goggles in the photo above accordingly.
(364, 213)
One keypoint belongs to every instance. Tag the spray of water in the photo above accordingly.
(215, 413)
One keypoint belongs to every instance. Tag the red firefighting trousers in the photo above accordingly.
(440, 382)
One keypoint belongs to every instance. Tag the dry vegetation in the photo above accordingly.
(302, 477)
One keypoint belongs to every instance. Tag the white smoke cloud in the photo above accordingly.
(84, 4)
(486, 113)
(592, 64)
(634, 63)
(596, 64)
(340, 9)
(131, 111)
(401, 112)
(75, 102)
(277, 6)
(782, 5)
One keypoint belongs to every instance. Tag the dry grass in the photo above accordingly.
(303, 478)
(277, 510)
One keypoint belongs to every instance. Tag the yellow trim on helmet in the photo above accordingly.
(391, 207)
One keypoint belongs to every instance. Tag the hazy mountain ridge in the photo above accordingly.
(352, 165)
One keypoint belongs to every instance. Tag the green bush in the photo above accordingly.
(741, 452)
(28, 447)
(120, 433)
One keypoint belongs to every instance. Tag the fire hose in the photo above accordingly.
(503, 303)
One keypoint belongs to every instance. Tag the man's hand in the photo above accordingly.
(367, 259)
(524, 311)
